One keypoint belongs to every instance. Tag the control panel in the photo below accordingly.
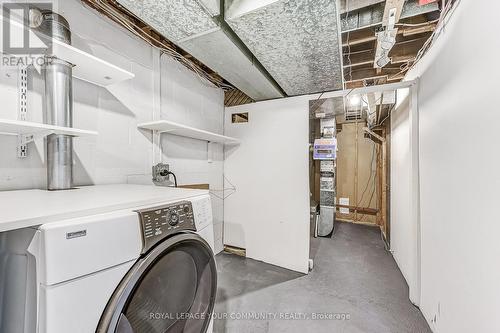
(160, 222)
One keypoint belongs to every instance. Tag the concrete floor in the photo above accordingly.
(353, 275)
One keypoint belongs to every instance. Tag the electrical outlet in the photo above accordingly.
(160, 174)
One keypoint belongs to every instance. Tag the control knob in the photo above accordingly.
(174, 219)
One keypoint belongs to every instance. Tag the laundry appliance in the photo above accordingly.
(143, 269)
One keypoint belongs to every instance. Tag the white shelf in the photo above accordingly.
(87, 67)
(165, 126)
(18, 127)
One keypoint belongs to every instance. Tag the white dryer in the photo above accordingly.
(143, 270)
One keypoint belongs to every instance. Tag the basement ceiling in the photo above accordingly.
(372, 16)
(359, 41)
(266, 48)
(273, 48)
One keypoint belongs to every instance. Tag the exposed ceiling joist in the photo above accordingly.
(367, 36)
(402, 52)
(372, 73)
(374, 15)
(235, 97)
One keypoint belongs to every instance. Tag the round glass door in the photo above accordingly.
(171, 290)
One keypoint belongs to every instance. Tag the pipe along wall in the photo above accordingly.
(57, 75)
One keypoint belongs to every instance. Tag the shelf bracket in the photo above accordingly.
(22, 144)
(22, 81)
(24, 139)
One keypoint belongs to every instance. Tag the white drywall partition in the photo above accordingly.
(120, 153)
(403, 232)
(459, 178)
(268, 213)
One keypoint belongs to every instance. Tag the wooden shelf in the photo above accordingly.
(18, 127)
(165, 126)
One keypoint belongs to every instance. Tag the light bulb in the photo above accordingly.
(354, 100)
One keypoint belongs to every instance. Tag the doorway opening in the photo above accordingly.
(352, 185)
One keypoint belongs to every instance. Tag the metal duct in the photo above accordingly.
(297, 41)
(348, 6)
(193, 25)
(58, 105)
(212, 6)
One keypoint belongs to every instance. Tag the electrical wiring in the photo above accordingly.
(386, 245)
(372, 174)
(378, 100)
(448, 8)
(440, 26)
(388, 115)
(164, 48)
(370, 178)
(316, 103)
(348, 56)
(348, 45)
(175, 177)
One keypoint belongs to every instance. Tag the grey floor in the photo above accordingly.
(353, 275)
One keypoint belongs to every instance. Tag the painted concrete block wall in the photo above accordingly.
(268, 214)
(120, 153)
(459, 178)
(201, 107)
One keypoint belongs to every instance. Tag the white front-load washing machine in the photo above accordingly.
(149, 269)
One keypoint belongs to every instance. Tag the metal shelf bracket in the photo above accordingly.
(22, 82)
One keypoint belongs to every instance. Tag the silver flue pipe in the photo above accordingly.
(58, 104)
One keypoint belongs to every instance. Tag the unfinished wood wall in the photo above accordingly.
(356, 173)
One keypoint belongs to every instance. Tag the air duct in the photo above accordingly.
(198, 27)
(58, 104)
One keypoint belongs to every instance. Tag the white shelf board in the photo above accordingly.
(19, 127)
(87, 66)
(165, 126)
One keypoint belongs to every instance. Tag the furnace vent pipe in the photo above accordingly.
(57, 75)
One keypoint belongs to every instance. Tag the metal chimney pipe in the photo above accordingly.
(58, 105)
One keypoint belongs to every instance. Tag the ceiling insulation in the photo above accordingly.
(297, 41)
(190, 25)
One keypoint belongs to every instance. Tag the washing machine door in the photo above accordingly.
(171, 289)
